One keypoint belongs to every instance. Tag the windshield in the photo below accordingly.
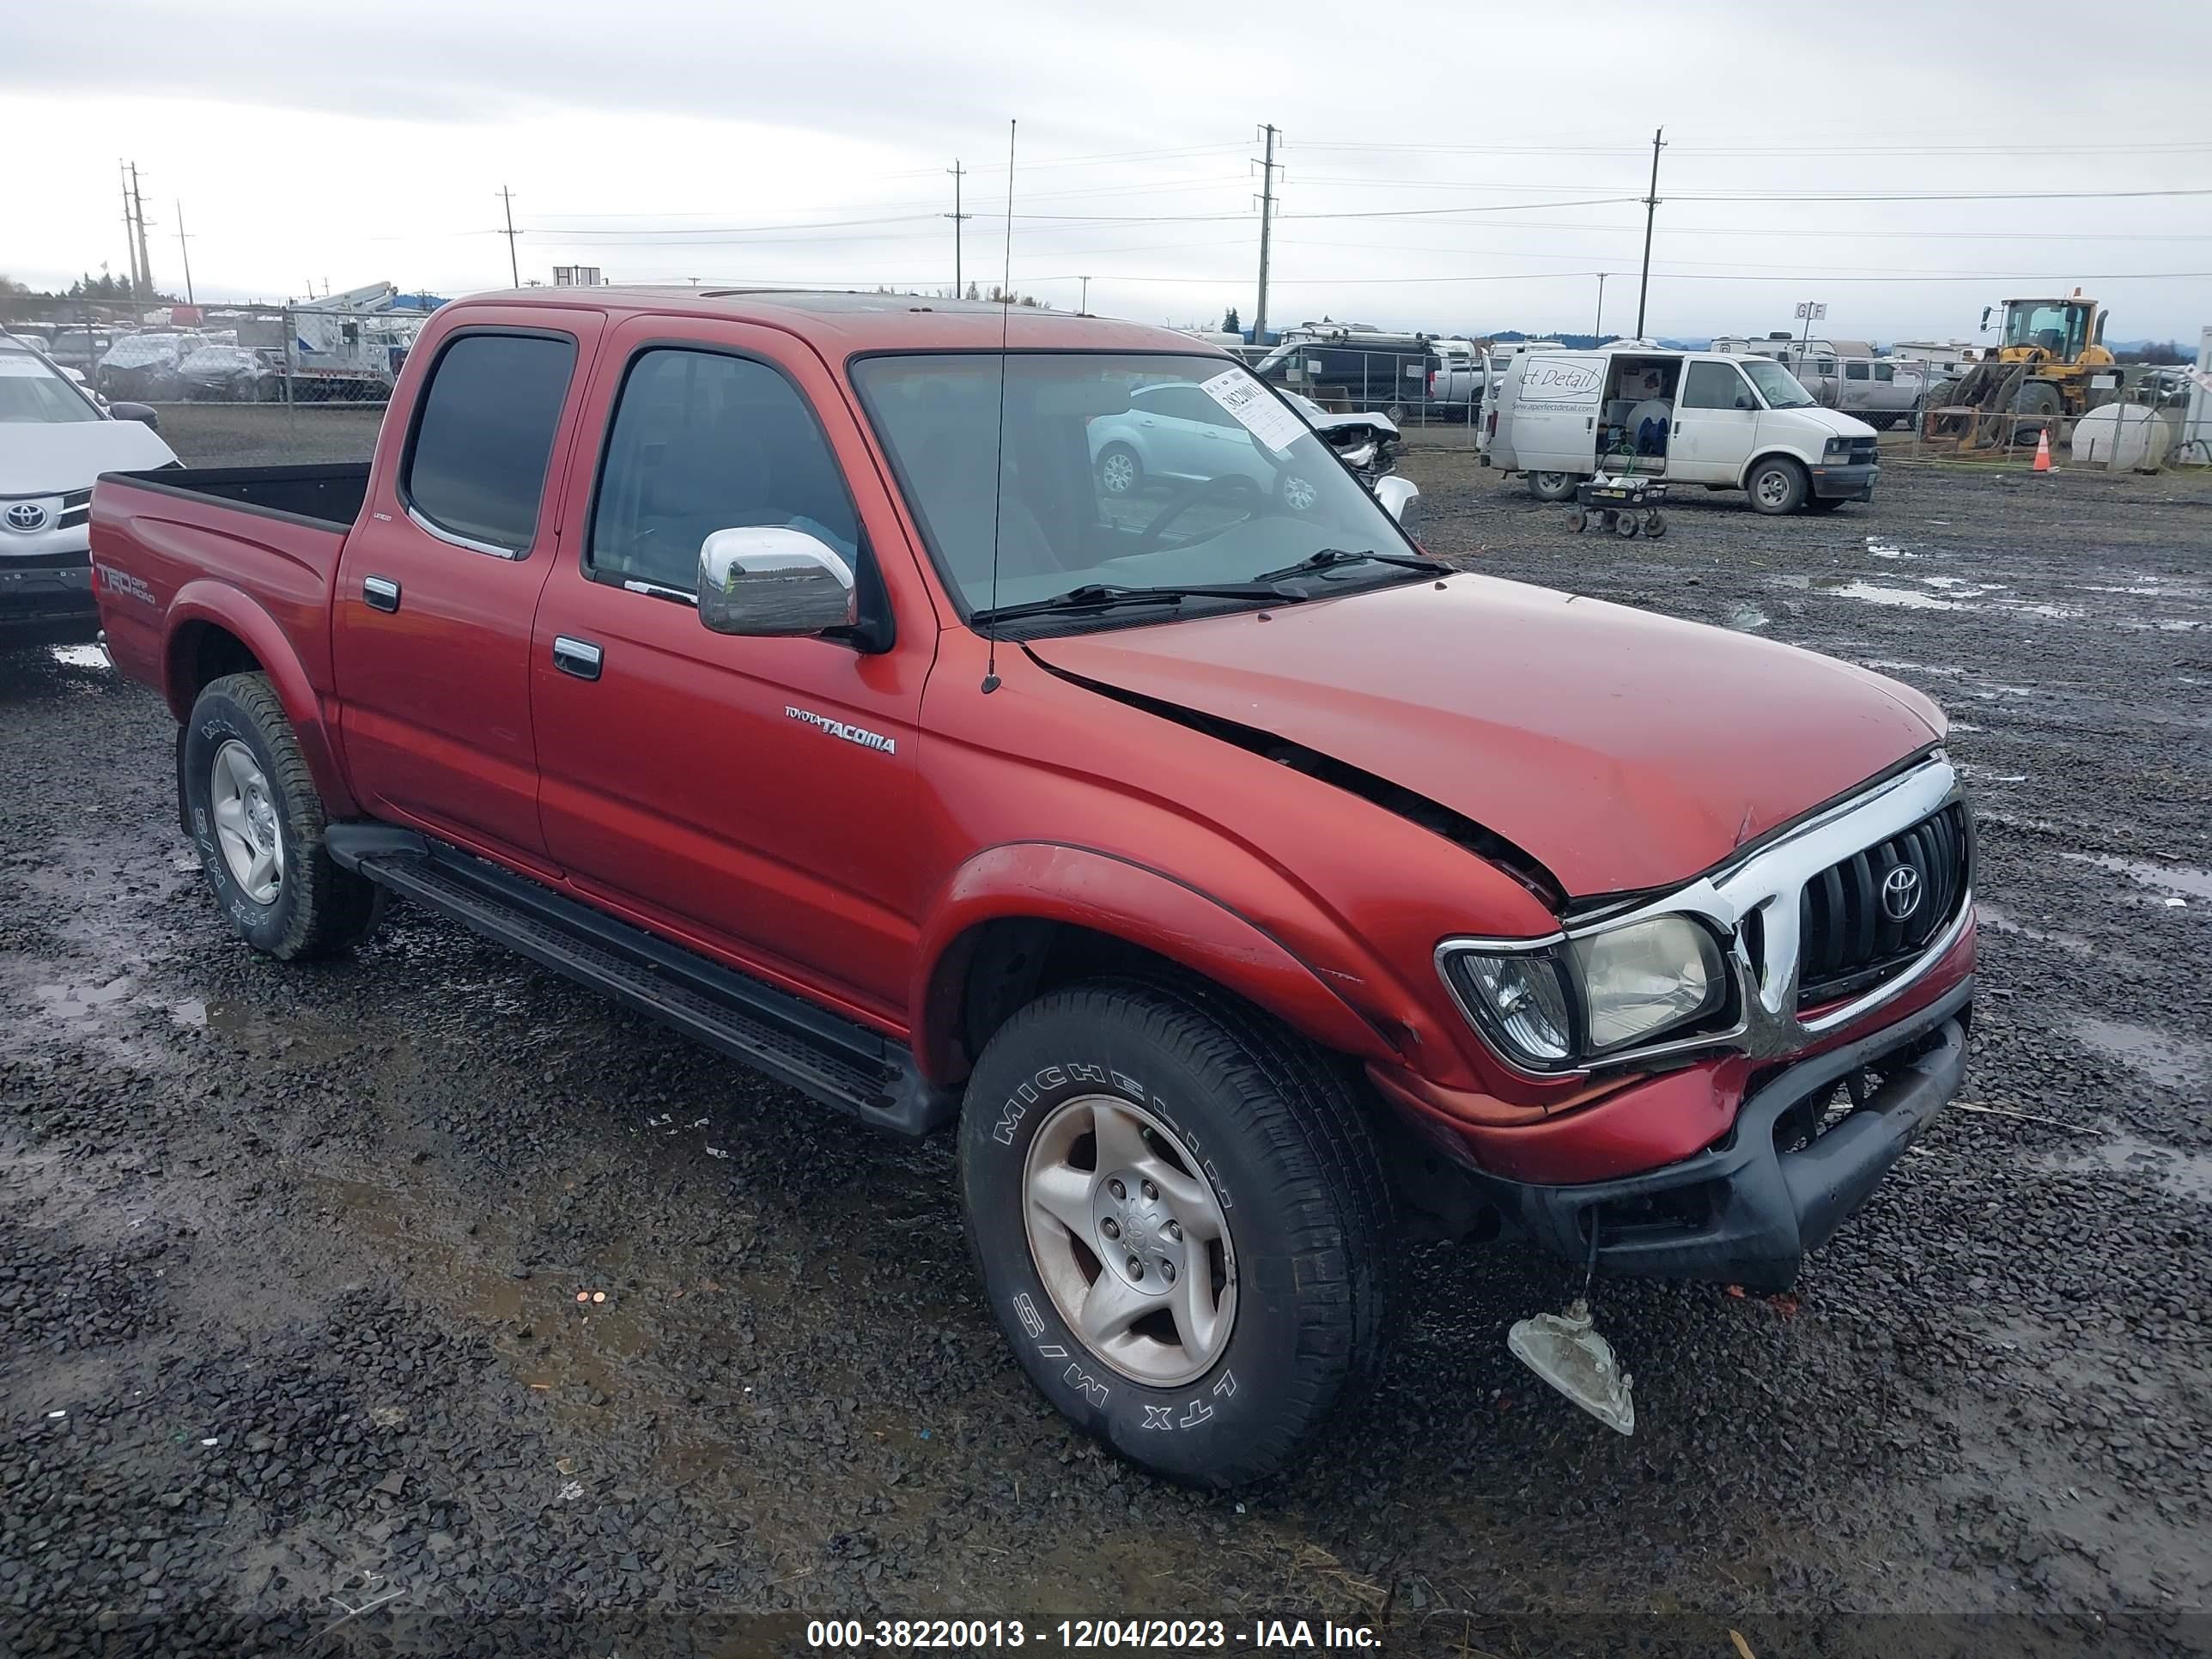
(31, 390)
(1125, 471)
(2054, 325)
(1776, 384)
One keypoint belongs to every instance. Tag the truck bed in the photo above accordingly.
(328, 492)
(249, 549)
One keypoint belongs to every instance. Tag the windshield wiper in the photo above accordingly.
(1329, 557)
(1096, 596)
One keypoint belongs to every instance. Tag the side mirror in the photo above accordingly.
(1397, 496)
(766, 581)
(143, 413)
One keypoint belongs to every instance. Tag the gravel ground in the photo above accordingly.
(290, 1257)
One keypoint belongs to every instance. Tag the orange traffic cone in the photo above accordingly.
(2043, 450)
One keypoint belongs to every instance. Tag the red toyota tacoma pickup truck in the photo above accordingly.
(1044, 737)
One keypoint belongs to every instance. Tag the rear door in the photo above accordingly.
(439, 582)
(1555, 407)
(751, 796)
(1716, 420)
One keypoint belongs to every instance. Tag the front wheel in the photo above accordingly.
(1778, 485)
(1140, 1161)
(257, 821)
(1552, 486)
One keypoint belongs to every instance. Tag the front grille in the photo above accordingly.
(76, 508)
(1847, 939)
(1864, 451)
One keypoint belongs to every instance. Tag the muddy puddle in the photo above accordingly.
(2176, 880)
(2182, 1174)
(2170, 1061)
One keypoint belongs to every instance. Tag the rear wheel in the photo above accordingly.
(1655, 523)
(253, 814)
(1552, 486)
(1138, 1159)
(1120, 472)
(1778, 485)
(1577, 519)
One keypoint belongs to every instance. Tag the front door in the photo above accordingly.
(753, 796)
(1716, 420)
(439, 582)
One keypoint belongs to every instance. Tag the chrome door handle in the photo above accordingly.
(578, 657)
(380, 592)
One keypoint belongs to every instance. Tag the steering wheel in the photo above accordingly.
(1227, 483)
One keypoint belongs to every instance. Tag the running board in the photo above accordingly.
(820, 1054)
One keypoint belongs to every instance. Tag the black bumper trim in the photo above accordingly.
(1763, 1210)
(1850, 483)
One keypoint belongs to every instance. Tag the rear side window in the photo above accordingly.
(1855, 371)
(485, 436)
(702, 441)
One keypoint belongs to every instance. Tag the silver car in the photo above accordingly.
(1173, 432)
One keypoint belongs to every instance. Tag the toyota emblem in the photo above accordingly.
(1900, 892)
(26, 516)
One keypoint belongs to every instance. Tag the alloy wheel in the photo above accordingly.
(1130, 1239)
(247, 824)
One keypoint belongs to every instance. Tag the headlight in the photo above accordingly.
(1837, 449)
(1571, 1003)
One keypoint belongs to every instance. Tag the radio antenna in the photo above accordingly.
(999, 466)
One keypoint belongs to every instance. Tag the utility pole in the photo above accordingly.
(958, 218)
(187, 253)
(513, 270)
(1650, 211)
(1598, 327)
(1266, 214)
(129, 229)
(1082, 306)
(145, 259)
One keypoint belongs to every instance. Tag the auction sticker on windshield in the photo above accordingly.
(1272, 422)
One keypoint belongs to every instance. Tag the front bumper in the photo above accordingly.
(1744, 1211)
(46, 599)
(1846, 484)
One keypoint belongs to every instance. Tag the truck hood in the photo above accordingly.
(1621, 750)
(1842, 425)
(46, 457)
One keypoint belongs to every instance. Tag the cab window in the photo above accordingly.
(701, 441)
(1856, 372)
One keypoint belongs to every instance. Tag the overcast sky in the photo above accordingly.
(1448, 166)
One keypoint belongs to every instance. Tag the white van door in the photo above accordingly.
(1716, 422)
(1555, 403)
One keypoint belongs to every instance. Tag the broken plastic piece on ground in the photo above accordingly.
(1567, 1353)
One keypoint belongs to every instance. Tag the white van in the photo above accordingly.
(1726, 421)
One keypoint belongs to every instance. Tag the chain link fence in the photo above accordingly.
(1435, 398)
(263, 385)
